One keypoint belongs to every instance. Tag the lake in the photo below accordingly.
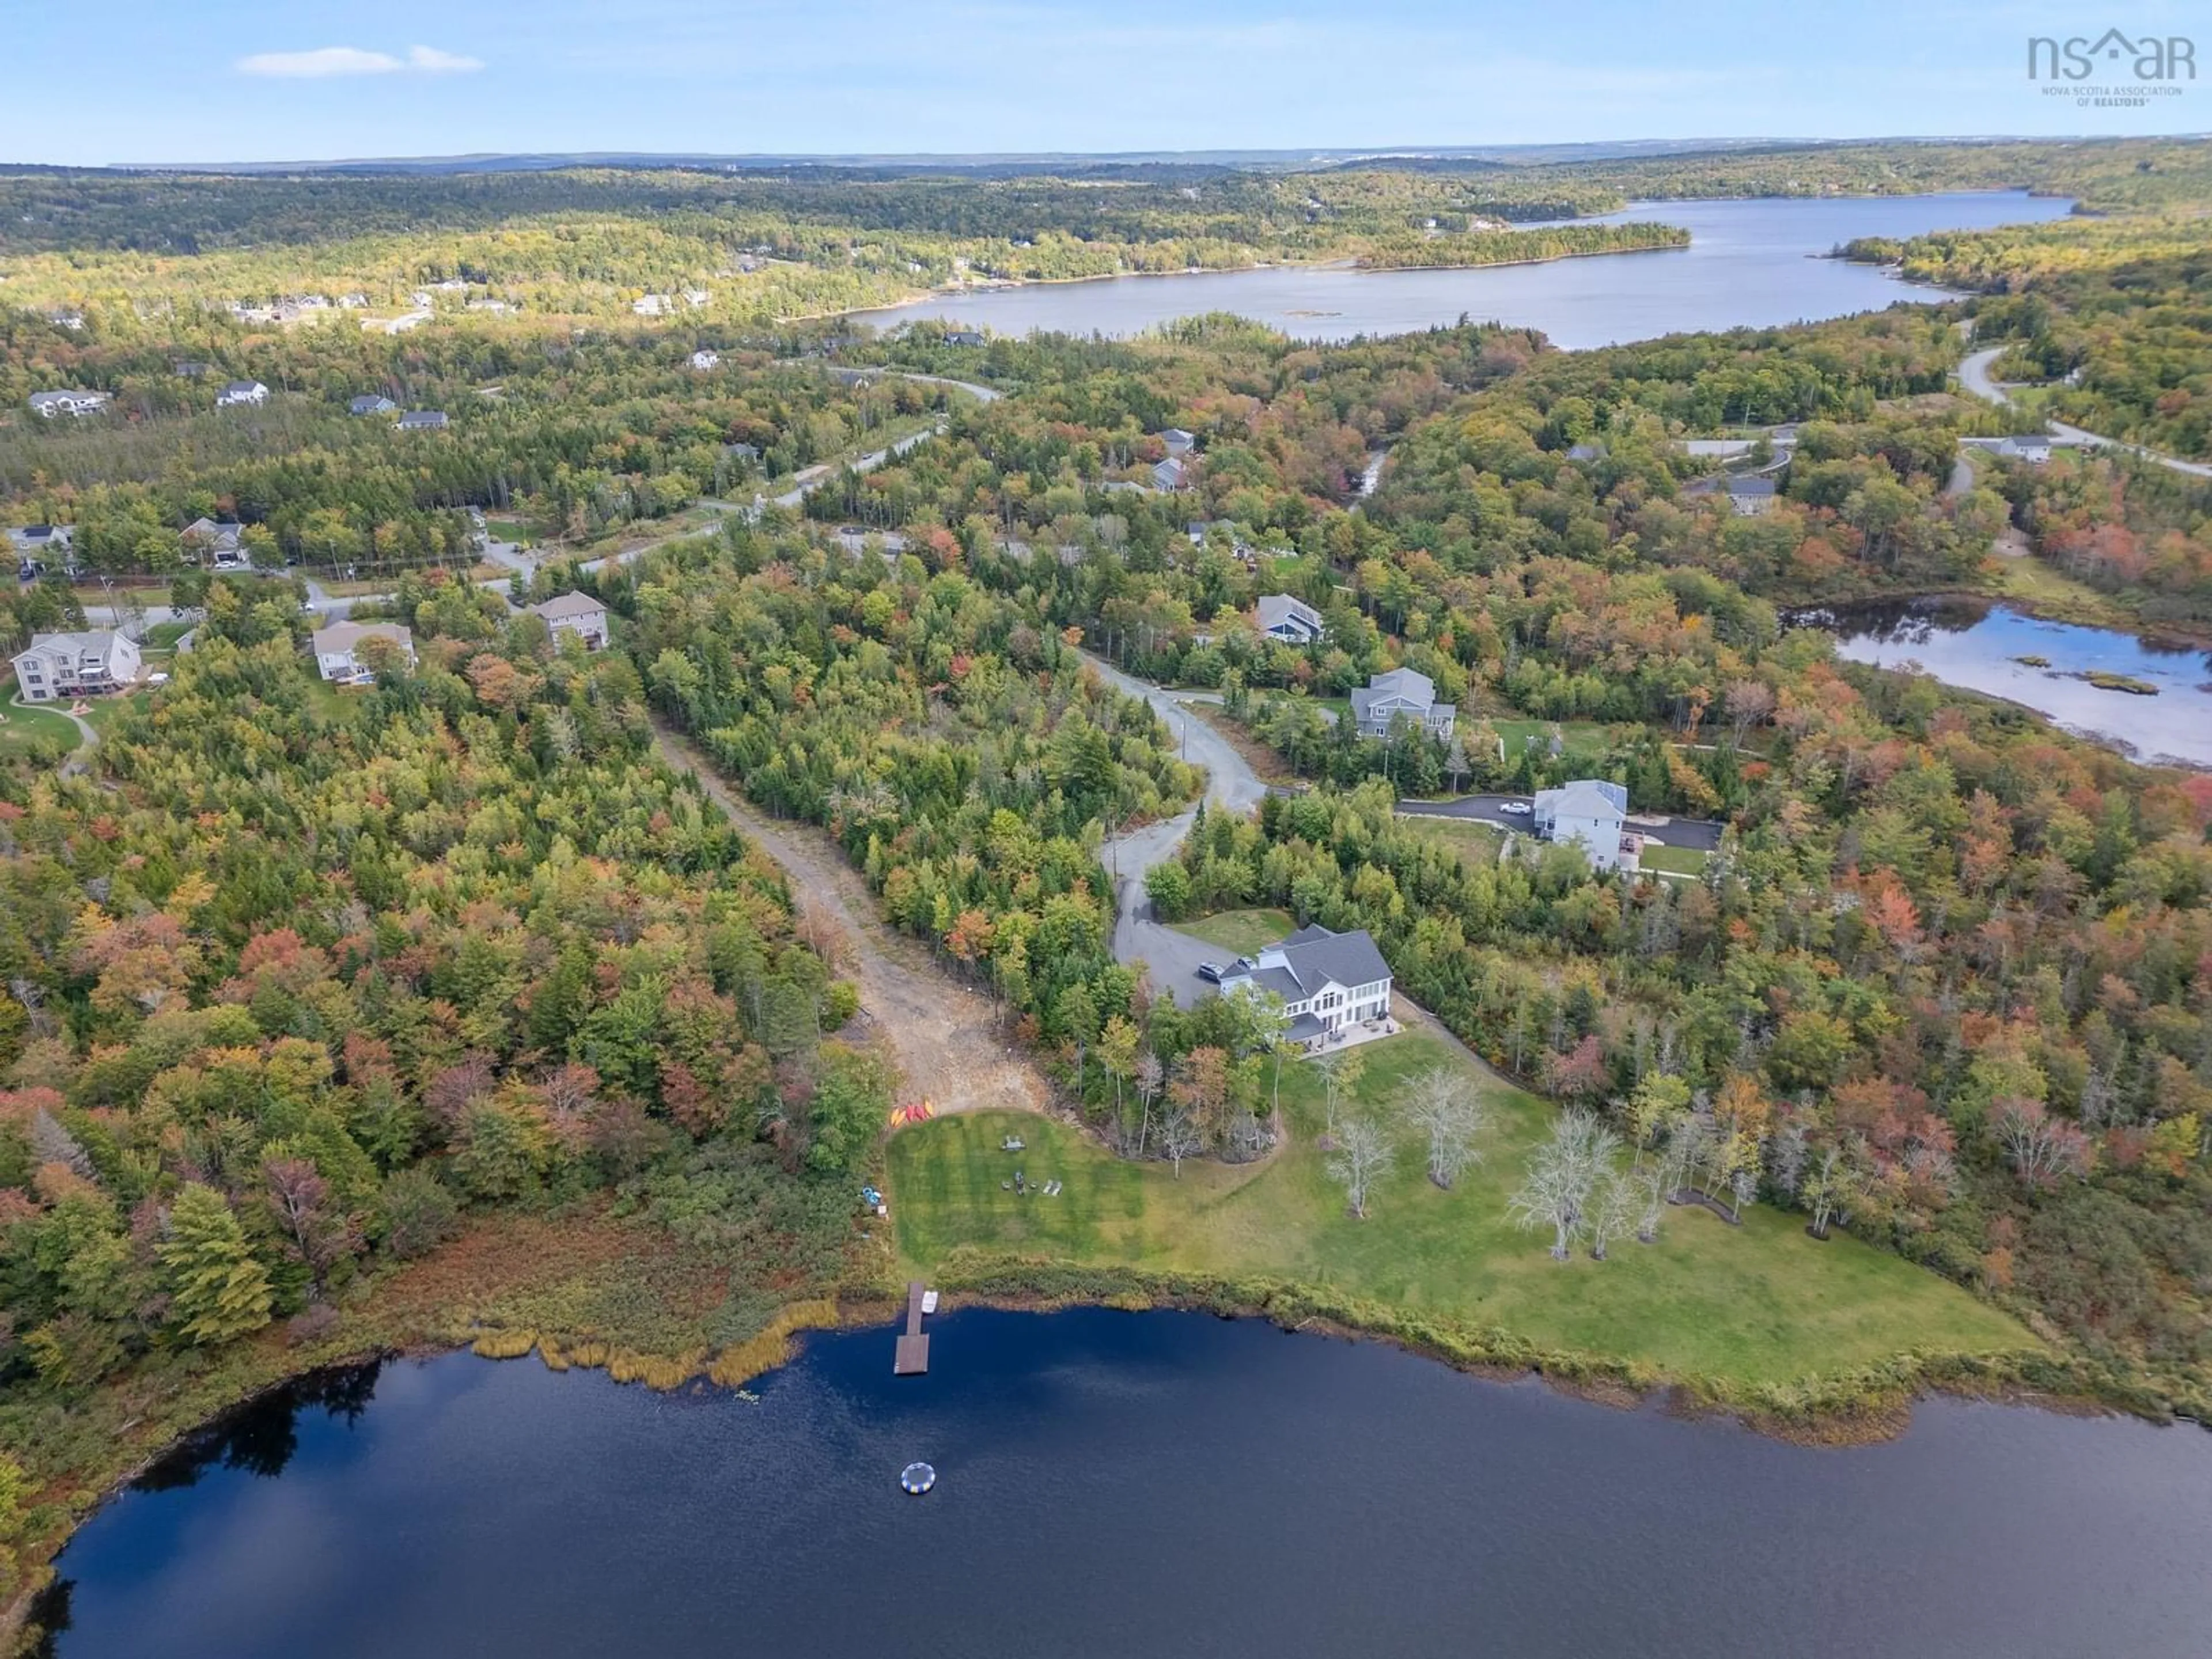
(1114, 1484)
(1978, 645)
(1748, 265)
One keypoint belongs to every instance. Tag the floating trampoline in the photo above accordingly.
(916, 1478)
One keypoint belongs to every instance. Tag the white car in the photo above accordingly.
(1519, 808)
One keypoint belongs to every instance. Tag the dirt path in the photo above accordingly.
(943, 1036)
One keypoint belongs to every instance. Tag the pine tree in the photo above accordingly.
(217, 1290)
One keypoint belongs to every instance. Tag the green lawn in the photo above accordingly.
(163, 636)
(1241, 932)
(1678, 861)
(1473, 840)
(1578, 737)
(1755, 1305)
(27, 725)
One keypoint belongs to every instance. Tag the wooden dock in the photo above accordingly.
(912, 1358)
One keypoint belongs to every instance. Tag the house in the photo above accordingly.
(72, 321)
(654, 305)
(186, 368)
(424, 420)
(57, 665)
(1171, 475)
(75, 402)
(1178, 441)
(1328, 982)
(241, 391)
(42, 541)
(574, 613)
(964, 337)
(1586, 452)
(338, 655)
(1402, 691)
(371, 403)
(705, 360)
(1749, 497)
(1591, 812)
(2035, 450)
(742, 451)
(222, 546)
(1291, 620)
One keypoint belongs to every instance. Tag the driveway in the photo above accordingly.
(1230, 785)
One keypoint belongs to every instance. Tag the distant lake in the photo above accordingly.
(1114, 1485)
(1748, 264)
(1978, 645)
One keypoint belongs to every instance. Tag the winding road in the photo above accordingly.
(1974, 376)
(1230, 785)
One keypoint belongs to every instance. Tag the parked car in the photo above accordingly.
(1519, 808)
(1210, 972)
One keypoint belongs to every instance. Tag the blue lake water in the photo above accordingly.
(1749, 263)
(1978, 645)
(1113, 1485)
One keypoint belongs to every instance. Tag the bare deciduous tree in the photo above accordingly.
(1179, 1134)
(1363, 1153)
(1341, 1073)
(1614, 1207)
(1562, 1174)
(1441, 1103)
(1151, 1078)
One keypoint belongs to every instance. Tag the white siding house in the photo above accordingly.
(574, 613)
(242, 393)
(1592, 812)
(1328, 982)
(339, 658)
(47, 404)
(57, 665)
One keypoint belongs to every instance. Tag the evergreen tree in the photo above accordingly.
(217, 1290)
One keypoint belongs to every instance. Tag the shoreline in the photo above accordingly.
(1867, 1406)
(1347, 264)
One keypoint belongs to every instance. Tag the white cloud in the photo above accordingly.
(430, 61)
(326, 61)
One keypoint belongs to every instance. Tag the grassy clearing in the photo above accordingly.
(163, 636)
(1759, 1305)
(2033, 585)
(1241, 931)
(1577, 736)
(30, 730)
(1471, 838)
(1678, 861)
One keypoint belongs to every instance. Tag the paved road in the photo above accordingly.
(1230, 785)
(1699, 835)
(1974, 376)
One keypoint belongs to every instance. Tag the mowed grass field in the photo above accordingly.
(1758, 1303)
(1241, 931)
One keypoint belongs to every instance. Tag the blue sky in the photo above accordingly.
(248, 79)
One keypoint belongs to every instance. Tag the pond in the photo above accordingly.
(1112, 1484)
(1981, 646)
(1750, 264)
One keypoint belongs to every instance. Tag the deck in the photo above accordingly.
(911, 1357)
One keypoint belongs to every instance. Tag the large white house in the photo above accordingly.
(57, 665)
(1590, 811)
(241, 393)
(1289, 619)
(1402, 691)
(574, 613)
(338, 655)
(1326, 981)
(47, 404)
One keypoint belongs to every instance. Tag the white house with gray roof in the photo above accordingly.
(338, 655)
(76, 401)
(1291, 620)
(574, 613)
(1326, 980)
(1592, 812)
(1404, 692)
(242, 393)
(57, 665)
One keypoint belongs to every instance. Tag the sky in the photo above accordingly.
(248, 79)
